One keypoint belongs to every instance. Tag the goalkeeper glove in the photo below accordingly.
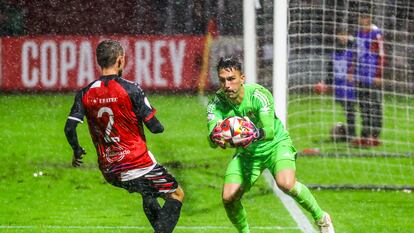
(251, 134)
(216, 136)
(77, 156)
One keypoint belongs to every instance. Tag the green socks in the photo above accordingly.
(237, 215)
(304, 197)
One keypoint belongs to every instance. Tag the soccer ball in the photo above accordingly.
(232, 130)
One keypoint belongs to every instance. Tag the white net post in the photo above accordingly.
(249, 40)
(280, 59)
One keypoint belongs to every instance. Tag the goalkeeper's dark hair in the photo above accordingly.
(229, 62)
(107, 52)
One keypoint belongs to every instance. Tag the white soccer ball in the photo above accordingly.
(232, 130)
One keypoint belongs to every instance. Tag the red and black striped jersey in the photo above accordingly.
(116, 110)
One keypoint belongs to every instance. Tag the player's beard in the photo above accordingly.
(119, 72)
(230, 94)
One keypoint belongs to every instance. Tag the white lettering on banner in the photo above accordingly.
(48, 48)
(29, 79)
(67, 60)
(68, 63)
(177, 58)
(85, 70)
(142, 62)
(157, 63)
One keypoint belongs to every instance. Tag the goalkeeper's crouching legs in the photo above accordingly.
(235, 211)
(286, 181)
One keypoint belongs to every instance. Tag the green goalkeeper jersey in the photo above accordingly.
(258, 106)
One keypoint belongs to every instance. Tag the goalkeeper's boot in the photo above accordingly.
(325, 224)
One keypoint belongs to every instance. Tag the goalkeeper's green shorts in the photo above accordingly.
(245, 170)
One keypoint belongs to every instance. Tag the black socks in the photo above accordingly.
(164, 219)
(151, 209)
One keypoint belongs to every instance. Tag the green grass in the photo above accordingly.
(32, 140)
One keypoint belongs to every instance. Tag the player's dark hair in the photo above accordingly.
(229, 62)
(107, 52)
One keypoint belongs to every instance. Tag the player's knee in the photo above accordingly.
(286, 184)
(229, 197)
(286, 179)
(231, 193)
(178, 194)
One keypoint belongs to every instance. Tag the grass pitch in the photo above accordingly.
(65, 199)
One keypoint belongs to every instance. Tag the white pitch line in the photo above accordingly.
(270, 228)
(303, 222)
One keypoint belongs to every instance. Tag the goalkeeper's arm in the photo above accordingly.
(267, 131)
(214, 119)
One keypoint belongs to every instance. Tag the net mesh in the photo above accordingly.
(311, 116)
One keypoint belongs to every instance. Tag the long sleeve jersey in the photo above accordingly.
(258, 106)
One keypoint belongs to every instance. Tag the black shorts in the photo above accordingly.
(157, 182)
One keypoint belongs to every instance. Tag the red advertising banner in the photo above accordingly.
(65, 63)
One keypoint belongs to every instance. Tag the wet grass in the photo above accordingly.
(65, 199)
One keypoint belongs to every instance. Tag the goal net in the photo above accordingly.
(318, 123)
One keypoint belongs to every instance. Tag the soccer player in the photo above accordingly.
(340, 76)
(268, 146)
(369, 70)
(117, 110)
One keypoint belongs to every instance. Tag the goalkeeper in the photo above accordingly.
(268, 145)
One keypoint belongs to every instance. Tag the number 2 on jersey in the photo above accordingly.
(111, 121)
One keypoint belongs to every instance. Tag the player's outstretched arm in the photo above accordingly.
(154, 125)
(78, 156)
(72, 137)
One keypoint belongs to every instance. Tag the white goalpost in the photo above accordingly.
(279, 84)
(249, 40)
(280, 49)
